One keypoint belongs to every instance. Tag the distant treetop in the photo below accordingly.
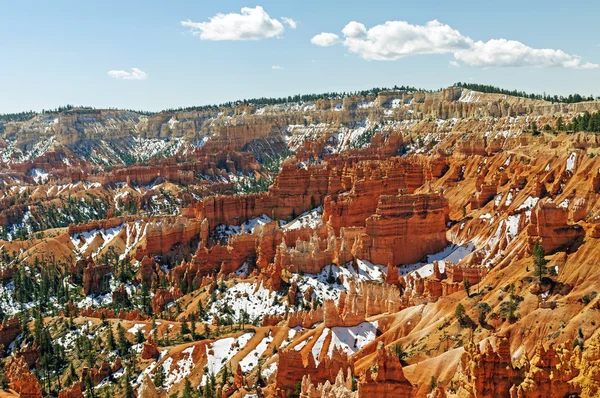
(484, 88)
(300, 98)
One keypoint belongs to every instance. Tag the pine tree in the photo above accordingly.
(128, 389)
(110, 340)
(160, 376)
(539, 262)
(122, 343)
(187, 389)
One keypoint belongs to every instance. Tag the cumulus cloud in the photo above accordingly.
(454, 64)
(250, 24)
(395, 40)
(501, 52)
(135, 74)
(325, 39)
(277, 67)
(290, 22)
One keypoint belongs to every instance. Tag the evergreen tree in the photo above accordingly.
(110, 340)
(122, 343)
(539, 262)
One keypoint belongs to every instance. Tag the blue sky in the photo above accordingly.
(61, 52)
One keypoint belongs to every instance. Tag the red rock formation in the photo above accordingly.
(306, 319)
(342, 388)
(164, 296)
(292, 367)
(163, 236)
(150, 349)
(75, 391)
(9, 330)
(238, 380)
(94, 277)
(404, 229)
(550, 223)
(488, 373)
(385, 377)
(21, 379)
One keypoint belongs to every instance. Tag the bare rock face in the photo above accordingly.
(150, 349)
(341, 388)
(94, 277)
(21, 379)
(292, 367)
(385, 377)
(404, 229)
(550, 223)
(75, 391)
(486, 374)
(147, 389)
(9, 330)
(349, 311)
(164, 297)
(161, 237)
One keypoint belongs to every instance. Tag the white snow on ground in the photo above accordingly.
(571, 161)
(242, 271)
(452, 254)
(257, 302)
(7, 301)
(316, 349)
(508, 199)
(352, 339)
(107, 236)
(251, 360)
(269, 370)
(369, 271)
(221, 351)
(184, 368)
(224, 231)
(468, 96)
(323, 290)
(134, 234)
(497, 200)
(310, 219)
(564, 204)
(39, 176)
(136, 327)
(512, 226)
(529, 203)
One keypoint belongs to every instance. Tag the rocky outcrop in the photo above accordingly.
(21, 379)
(147, 389)
(486, 374)
(150, 349)
(162, 236)
(341, 388)
(75, 391)
(404, 229)
(292, 366)
(9, 330)
(549, 222)
(95, 277)
(385, 377)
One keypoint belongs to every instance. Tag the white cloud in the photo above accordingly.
(135, 74)
(277, 67)
(355, 30)
(290, 22)
(325, 39)
(398, 39)
(454, 64)
(251, 24)
(395, 40)
(501, 52)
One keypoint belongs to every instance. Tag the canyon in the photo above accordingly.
(400, 243)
